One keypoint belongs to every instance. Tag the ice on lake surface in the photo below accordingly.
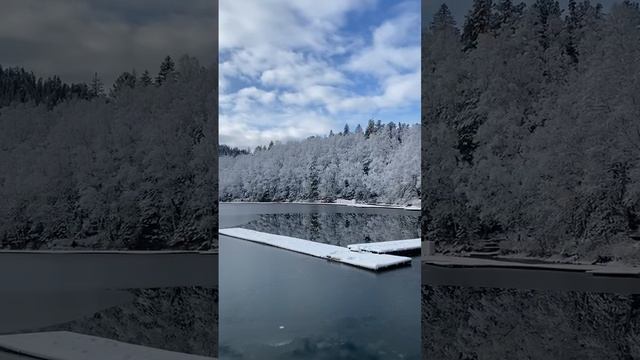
(326, 310)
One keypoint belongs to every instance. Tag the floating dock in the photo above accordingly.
(65, 345)
(326, 251)
(385, 247)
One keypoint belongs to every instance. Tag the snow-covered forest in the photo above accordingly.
(130, 167)
(531, 128)
(378, 164)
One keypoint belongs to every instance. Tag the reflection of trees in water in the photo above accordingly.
(339, 229)
(489, 323)
(318, 348)
(178, 319)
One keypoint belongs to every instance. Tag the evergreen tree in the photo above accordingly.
(507, 14)
(313, 180)
(371, 129)
(358, 129)
(167, 68)
(97, 86)
(478, 21)
(126, 80)
(145, 78)
(546, 11)
(346, 129)
(442, 19)
(572, 22)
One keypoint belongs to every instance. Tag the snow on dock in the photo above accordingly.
(64, 345)
(326, 251)
(615, 271)
(385, 247)
(461, 261)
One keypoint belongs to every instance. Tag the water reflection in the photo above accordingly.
(183, 319)
(506, 323)
(340, 229)
(278, 304)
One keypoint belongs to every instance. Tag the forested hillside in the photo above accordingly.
(378, 164)
(134, 169)
(20, 85)
(531, 123)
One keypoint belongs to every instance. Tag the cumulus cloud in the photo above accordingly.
(390, 52)
(291, 69)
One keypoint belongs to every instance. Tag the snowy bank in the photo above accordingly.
(385, 247)
(412, 206)
(459, 261)
(331, 252)
(64, 345)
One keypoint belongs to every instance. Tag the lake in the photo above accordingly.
(161, 300)
(277, 304)
(491, 313)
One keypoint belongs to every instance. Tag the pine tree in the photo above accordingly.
(145, 79)
(167, 68)
(546, 10)
(314, 181)
(97, 86)
(442, 19)
(358, 129)
(506, 14)
(124, 81)
(572, 22)
(478, 21)
(346, 129)
(371, 129)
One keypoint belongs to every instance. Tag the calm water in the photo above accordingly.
(528, 314)
(166, 301)
(277, 304)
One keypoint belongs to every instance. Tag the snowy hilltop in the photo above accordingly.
(532, 129)
(380, 164)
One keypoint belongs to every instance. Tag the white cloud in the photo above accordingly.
(287, 67)
(283, 23)
(240, 130)
(302, 73)
(399, 90)
(390, 53)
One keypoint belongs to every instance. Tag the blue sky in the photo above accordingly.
(292, 69)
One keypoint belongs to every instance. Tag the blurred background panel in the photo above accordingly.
(530, 179)
(108, 151)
